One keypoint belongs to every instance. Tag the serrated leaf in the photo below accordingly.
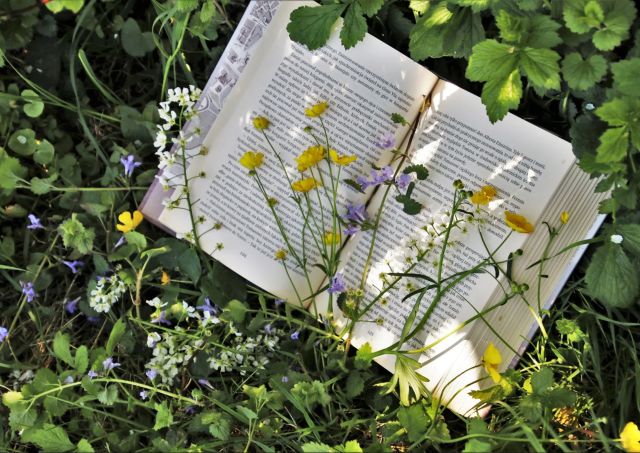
(625, 76)
(75, 235)
(371, 7)
(49, 438)
(61, 348)
(420, 170)
(364, 356)
(354, 385)
(475, 5)
(354, 27)
(539, 31)
(315, 447)
(409, 205)
(541, 67)
(164, 417)
(136, 239)
(580, 16)
(491, 60)
(501, 95)
(84, 446)
(611, 277)
(350, 446)
(614, 144)
(582, 74)
(541, 380)
(414, 420)
(618, 17)
(11, 171)
(312, 25)
(219, 425)
(630, 233)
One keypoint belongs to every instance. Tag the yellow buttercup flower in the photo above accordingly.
(484, 195)
(281, 254)
(331, 238)
(564, 217)
(261, 123)
(305, 185)
(340, 160)
(630, 438)
(491, 359)
(129, 221)
(310, 157)
(316, 109)
(165, 279)
(517, 222)
(251, 160)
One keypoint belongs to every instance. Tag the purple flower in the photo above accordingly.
(108, 364)
(285, 379)
(3, 333)
(295, 335)
(351, 229)
(279, 302)
(72, 306)
(387, 140)
(337, 284)
(130, 164)
(73, 265)
(190, 410)
(363, 182)
(383, 175)
(121, 241)
(92, 374)
(161, 319)
(356, 213)
(93, 319)
(208, 308)
(35, 222)
(205, 383)
(269, 330)
(144, 394)
(29, 291)
(68, 380)
(403, 180)
(151, 374)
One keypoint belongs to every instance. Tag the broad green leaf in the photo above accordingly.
(236, 311)
(247, 413)
(419, 6)
(40, 186)
(117, 331)
(219, 424)
(312, 25)
(44, 152)
(34, 106)
(108, 395)
(49, 438)
(23, 142)
(541, 67)
(55, 6)
(614, 144)
(136, 239)
(582, 74)
(500, 95)
(618, 17)
(491, 60)
(611, 277)
(81, 361)
(414, 420)
(371, 7)
(11, 171)
(581, 16)
(475, 5)
(189, 263)
(315, 447)
(630, 233)
(84, 446)
(350, 446)
(134, 42)
(354, 385)
(539, 31)
(541, 380)
(354, 27)
(164, 417)
(626, 74)
(61, 348)
(479, 445)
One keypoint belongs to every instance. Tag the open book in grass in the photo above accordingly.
(264, 73)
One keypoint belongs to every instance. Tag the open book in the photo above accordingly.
(263, 72)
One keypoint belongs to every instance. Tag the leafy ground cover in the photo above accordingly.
(80, 84)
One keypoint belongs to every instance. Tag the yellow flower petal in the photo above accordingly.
(137, 218)
(129, 222)
(316, 109)
(340, 160)
(494, 373)
(630, 437)
(564, 217)
(165, 279)
(310, 157)
(261, 123)
(492, 355)
(251, 160)
(517, 222)
(305, 185)
(484, 195)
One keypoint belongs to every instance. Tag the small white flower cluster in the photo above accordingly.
(107, 292)
(245, 352)
(169, 356)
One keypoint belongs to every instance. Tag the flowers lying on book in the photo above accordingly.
(517, 222)
(251, 160)
(305, 185)
(316, 110)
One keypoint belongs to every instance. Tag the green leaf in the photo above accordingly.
(117, 331)
(354, 385)
(219, 425)
(55, 6)
(40, 186)
(23, 142)
(489, 395)
(582, 15)
(134, 42)
(541, 67)
(350, 446)
(34, 105)
(630, 233)
(84, 447)
(189, 263)
(49, 438)
(618, 17)
(108, 395)
(312, 25)
(625, 76)
(76, 236)
(539, 31)
(247, 413)
(354, 27)
(479, 445)
(138, 240)
(364, 356)
(81, 361)
(164, 418)
(315, 447)
(475, 5)
(582, 74)
(44, 152)
(611, 277)
(11, 171)
(500, 95)
(236, 311)
(491, 60)
(409, 205)
(420, 170)
(61, 348)
(371, 7)
(614, 144)
(541, 380)
(414, 420)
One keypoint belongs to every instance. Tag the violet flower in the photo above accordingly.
(387, 140)
(92, 374)
(35, 222)
(3, 333)
(72, 306)
(356, 213)
(295, 335)
(108, 364)
(29, 291)
(338, 284)
(129, 164)
(351, 229)
(151, 374)
(73, 265)
(208, 308)
(403, 180)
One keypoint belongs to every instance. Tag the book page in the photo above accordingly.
(280, 80)
(524, 163)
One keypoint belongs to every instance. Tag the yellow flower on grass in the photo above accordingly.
(305, 185)
(165, 279)
(281, 254)
(316, 109)
(310, 157)
(251, 160)
(331, 238)
(491, 359)
(517, 222)
(484, 195)
(261, 123)
(630, 438)
(564, 217)
(129, 221)
(340, 160)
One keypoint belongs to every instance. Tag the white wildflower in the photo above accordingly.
(107, 292)
(616, 238)
(152, 339)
